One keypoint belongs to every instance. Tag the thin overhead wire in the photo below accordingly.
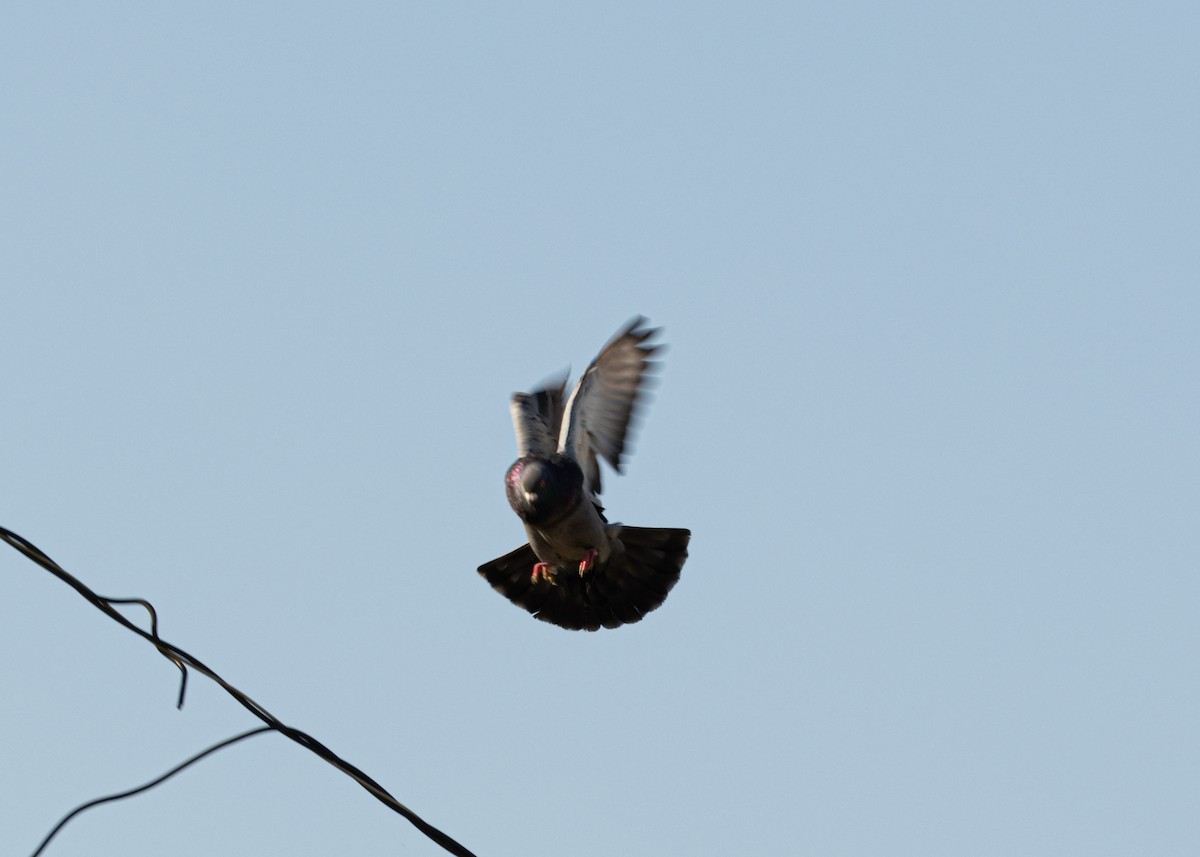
(131, 792)
(183, 661)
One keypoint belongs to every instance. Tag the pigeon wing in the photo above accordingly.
(537, 418)
(603, 405)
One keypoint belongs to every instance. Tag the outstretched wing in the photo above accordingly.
(602, 408)
(537, 418)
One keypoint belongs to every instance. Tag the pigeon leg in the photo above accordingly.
(544, 571)
(589, 559)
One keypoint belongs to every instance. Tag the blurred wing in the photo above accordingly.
(602, 407)
(537, 419)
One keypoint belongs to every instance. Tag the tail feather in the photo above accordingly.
(644, 566)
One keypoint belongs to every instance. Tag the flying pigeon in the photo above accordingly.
(579, 571)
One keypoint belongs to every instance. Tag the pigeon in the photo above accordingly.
(577, 570)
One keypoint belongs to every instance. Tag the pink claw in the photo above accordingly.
(543, 571)
(589, 559)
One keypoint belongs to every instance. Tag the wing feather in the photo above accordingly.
(603, 406)
(537, 418)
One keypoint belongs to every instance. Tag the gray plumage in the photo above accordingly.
(577, 570)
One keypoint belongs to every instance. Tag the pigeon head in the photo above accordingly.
(542, 490)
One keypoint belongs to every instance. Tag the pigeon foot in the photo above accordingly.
(543, 571)
(589, 560)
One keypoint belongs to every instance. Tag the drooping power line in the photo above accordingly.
(131, 792)
(184, 661)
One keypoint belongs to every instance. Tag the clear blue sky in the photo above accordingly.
(931, 278)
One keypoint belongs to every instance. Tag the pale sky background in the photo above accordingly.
(931, 280)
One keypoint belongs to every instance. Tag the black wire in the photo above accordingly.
(175, 770)
(183, 660)
(153, 633)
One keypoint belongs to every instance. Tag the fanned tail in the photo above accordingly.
(644, 565)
